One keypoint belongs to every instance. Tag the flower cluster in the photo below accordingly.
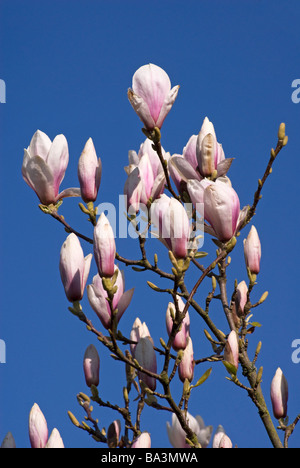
(205, 191)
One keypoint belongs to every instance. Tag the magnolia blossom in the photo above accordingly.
(219, 204)
(241, 298)
(97, 297)
(221, 439)
(202, 157)
(151, 95)
(104, 246)
(44, 166)
(91, 366)
(177, 435)
(252, 251)
(55, 441)
(113, 434)
(89, 172)
(146, 178)
(74, 268)
(187, 363)
(181, 338)
(142, 441)
(38, 429)
(145, 355)
(171, 219)
(279, 395)
(231, 352)
(142, 350)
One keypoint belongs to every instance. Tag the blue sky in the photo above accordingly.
(67, 66)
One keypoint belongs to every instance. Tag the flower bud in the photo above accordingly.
(98, 296)
(151, 95)
(146, 357)
(104, 247)
(142, 441)
(55, 441)
(74, 268)
(252, 251)
(171, 220)
(241, 298)
(113, 434)
(91, 366)
(181, 338)
(279, 395)
(139, 330)
(8, 441)
(231, 352)
(89, 172)
(225, 442)
(208, 151)
(38, 429)
(187, 364)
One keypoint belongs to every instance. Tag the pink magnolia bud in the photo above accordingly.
(231, 352)
(113, 434)
(252, 251)
(171, 220)
(89, 172)
(146, 357)
(241, 298)
(209, 152)
(38, 429)
(44, 166)
(74, 268)
(139, 330)
(279, 395)
(181, 338)
(91, 366)
(143, 441)
(225, 443)
(97, 297)
(151, 95)
(104, 247)
(55, 441)
(187, 364)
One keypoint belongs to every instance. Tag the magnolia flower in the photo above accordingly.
(220, 205)
(74, 268)
(151, 95)
(104, 246)
(231, 352)
(279, 395)
(177, 435)
(181, 338)
(252, 251)
(91, 366)
(142, 350)
(221, 440)
(97, 297)
(142, 441)
(146, 178)
(38, 429)
(202, 157)
(139, 330)
(44, 166)
(241, 298)
(187, 363)
(171, 219)
(55, 441)
(89, 172)
(113, 434)
(145, 355)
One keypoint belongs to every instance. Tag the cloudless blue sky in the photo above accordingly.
(67, 67)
